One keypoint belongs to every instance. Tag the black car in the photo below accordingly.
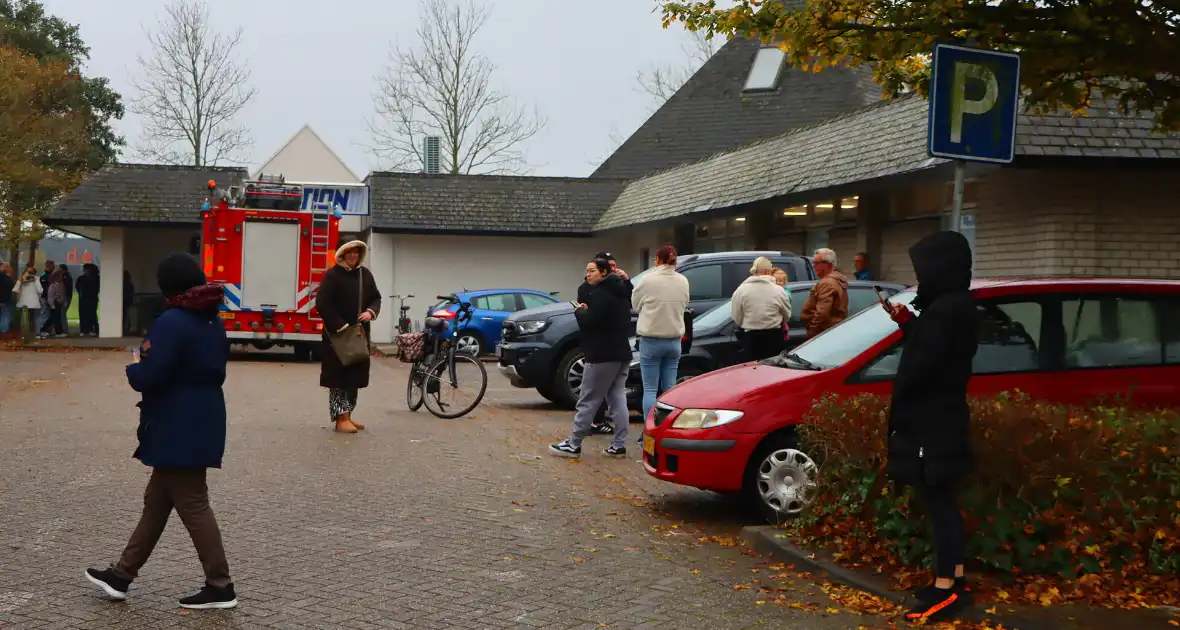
(540, 345)
(715, 343)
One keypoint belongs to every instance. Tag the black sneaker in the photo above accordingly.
(937, 604)
(565, 449)
(933, 594)
(602, 428)
(615, 451)
(114, 586)
(211, 597)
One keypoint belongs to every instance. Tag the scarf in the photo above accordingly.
(203, 298)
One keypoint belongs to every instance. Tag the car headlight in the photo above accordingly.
(532, 328)
(704, 418)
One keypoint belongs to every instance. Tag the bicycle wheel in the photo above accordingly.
(414, 387)
(447, 400)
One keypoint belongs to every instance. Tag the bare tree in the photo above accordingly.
(190, 90)
(443, 88)
(661, 82)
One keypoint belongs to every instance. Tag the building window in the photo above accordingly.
(766, 70)
(645, 260)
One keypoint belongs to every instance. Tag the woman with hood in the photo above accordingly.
(760, 309)
(605, 322)
(179, 370)
(347, 296)
(929, 442)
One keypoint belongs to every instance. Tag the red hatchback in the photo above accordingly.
(1067, 340)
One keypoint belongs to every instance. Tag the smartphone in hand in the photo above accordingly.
(881, 298)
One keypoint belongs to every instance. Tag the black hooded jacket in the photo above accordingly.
(606, 321)
(929, 438)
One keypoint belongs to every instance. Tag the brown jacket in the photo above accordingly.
(827, 305)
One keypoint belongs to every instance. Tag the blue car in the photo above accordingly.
(490, 308)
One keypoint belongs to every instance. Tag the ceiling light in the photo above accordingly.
(795, 212)
(740, 219)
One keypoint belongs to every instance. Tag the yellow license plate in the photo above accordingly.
(226, 315)
(649, 444)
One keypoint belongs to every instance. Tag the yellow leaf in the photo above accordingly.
(991, 611)
(759, 602)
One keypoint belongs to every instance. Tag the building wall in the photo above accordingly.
(1078, 222)
(895, 247)
(428, 266)
(144, 248)
(843, 242)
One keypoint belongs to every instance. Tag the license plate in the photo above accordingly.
(649, 444)
(226, 315)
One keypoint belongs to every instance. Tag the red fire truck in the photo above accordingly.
(269, 246)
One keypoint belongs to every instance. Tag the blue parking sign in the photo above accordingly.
(974, 95)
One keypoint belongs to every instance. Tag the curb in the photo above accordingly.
(770, 541)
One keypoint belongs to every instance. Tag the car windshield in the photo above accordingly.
(714, 317)
(850, 338)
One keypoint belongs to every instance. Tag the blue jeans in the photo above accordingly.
(6, 310)
(658, 360)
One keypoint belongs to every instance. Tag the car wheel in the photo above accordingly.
(688, 373)
(547, 394)
(780, 479)
(468, 343)
(567, 382)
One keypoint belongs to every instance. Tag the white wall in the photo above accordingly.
(427, 266)
(144, 248)
(110, 290)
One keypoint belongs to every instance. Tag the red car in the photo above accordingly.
(1066, 340)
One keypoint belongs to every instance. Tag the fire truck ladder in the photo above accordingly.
(321, 248)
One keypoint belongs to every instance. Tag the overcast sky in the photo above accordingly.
(313, 62)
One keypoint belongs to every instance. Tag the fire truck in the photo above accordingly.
(269, 242)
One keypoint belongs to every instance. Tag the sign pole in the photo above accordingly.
(957, 208)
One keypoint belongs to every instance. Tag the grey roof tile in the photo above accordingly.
(141, 193)
(877, 141)
(407, 202)
(709, 113)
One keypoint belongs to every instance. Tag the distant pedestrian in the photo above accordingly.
(68, 284)
(601, 426)
(347, 296)
(29, 303)
(88, 288)
(929, 432)
(128, 301)
(660, 298)
(179, 371)
(605, 323)
(55, 301)
(862, 267)
(46, 310)
(760, 309)
(8, 297)
(827, 305)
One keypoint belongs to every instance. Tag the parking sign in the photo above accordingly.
(974, 95)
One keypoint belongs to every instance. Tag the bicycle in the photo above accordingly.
(434, 372)
(403, 322)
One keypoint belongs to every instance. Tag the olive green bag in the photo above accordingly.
(351, 345)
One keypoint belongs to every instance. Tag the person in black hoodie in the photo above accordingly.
(600, 426)
(605, 321)
(179, 372)
(929, 442)
(87, 287)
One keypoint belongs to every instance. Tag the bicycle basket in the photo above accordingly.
(410, 346)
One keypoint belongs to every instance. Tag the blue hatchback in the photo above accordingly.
(490, 308)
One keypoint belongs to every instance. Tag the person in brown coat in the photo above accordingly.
(347, 296)
(828, 303)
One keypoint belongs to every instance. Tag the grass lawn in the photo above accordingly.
(72, 313)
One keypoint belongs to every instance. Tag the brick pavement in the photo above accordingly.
(415, 523)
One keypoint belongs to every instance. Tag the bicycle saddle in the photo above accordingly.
(434, 323)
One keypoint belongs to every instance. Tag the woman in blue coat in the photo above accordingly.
(179, 371)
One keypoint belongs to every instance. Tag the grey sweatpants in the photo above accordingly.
(603, 381)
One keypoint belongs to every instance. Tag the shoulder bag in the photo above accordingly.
(351, 345)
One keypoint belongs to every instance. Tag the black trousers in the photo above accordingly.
(762, 344)
(946, 523)
(88, 316)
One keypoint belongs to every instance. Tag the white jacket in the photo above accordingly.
(660, 298)
(760, 304)
(30, 294)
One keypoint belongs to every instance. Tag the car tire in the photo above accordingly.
(569, 371)
(687, 373)
(547, 394)
(780, 478)
(469, 340)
